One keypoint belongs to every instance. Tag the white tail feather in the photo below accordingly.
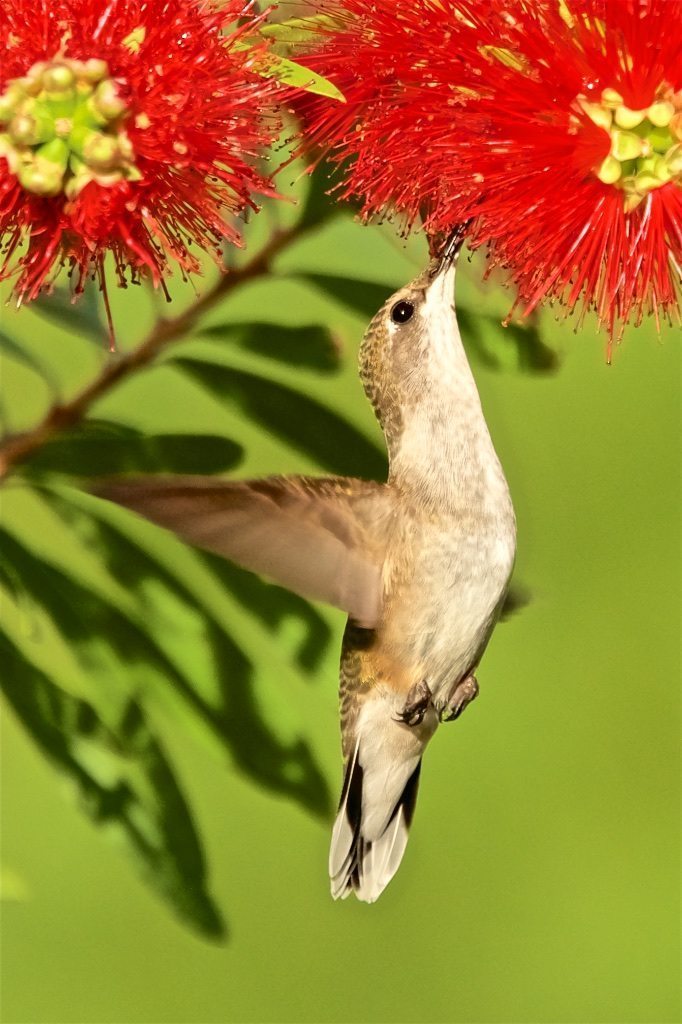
(366, 865)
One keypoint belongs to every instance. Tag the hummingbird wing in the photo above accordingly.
(323, 538)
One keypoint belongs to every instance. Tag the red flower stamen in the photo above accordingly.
(129, 127)
(555, 126)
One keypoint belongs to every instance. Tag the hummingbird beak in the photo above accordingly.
(451, 248)
(441, 272)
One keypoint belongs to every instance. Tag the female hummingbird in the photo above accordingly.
(421, 563)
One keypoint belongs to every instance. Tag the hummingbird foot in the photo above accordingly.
(460, 697)
(417, 704)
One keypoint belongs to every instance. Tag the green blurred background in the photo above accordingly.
(541, 881)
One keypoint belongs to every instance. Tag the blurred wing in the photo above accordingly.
(325, 539)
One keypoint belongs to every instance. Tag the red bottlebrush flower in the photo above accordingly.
(555, 126)
(126, 126)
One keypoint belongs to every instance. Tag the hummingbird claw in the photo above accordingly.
(459, 699)
(416, 704)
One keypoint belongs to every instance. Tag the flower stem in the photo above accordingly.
(18, 448)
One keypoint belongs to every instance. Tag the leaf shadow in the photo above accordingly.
(103, 448)
(364, 297)
(124, 782)
(273, 605)
(237, 721)
(304, 423)
(311, 345)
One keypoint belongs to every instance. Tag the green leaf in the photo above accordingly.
(513, 347)
(318, 206)
(100, 447)
(312, 346)
(15, 350)
(364, 297)
(78, 313)
(169, 642)
(516, 347)
(124, 783)
(295, 31)
(289, 72)
(300, 421)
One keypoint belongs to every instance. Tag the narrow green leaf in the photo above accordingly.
(289, 72)
(364, 297)
(295, 31)
(312, 346)
(15, 350)
(72, 313)
(516, 347)
(318, 206)
(213, 661)
(300, 421)
(100, 447)
(124, 782)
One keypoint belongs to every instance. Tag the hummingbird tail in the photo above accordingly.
(372, 827)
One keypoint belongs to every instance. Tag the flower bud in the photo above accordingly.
(626, 118)
(661, 114)
(610, 170)
(107, 100)
(101, 151)
(41, 177)
(58, 78)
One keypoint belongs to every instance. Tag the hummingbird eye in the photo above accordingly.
(402, 312)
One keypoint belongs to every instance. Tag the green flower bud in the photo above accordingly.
(627, 145)
(58, 78)
(611, 98)
(101, 151)
(41, 177)
(661, 114)
(54, 152)
(107, 101)
(23, 130)
(626, 118)
(609, 171)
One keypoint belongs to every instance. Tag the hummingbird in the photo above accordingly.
(421, 563)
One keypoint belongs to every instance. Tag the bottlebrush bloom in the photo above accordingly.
(126, 126)
(555, 126)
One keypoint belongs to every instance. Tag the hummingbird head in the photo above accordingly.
(412, 345)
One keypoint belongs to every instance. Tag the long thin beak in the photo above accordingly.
(452, 247)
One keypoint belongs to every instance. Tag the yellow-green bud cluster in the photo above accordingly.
(61, 127)
(646, 145)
